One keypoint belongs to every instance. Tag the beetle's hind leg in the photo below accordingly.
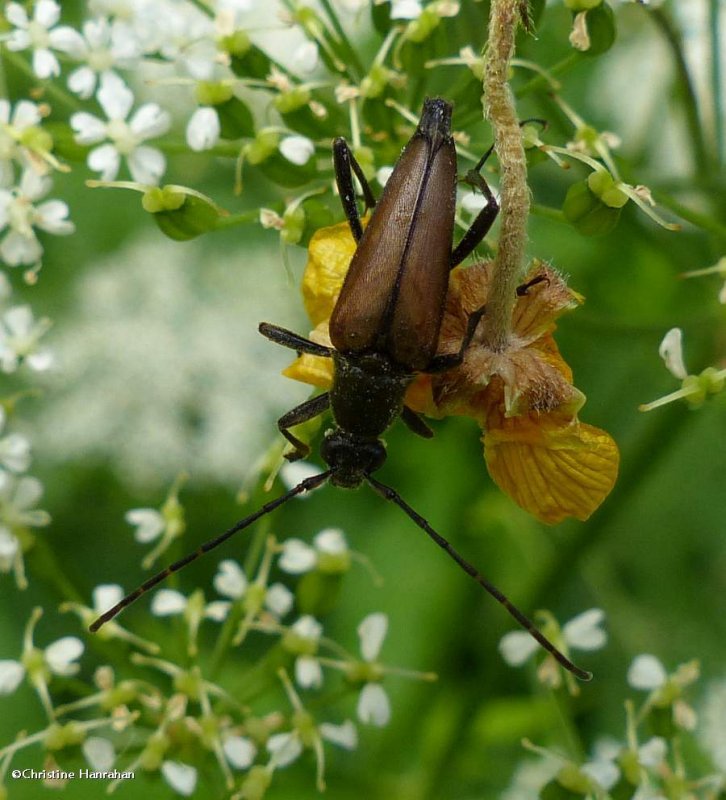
(415, 424)
(294, 341)
(448, 361)
(345, 165)
(302, 413)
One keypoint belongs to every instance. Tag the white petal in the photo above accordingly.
(308, 672)
(331, 541)
(8, 544)
(374, 707)
(28, 492)
(278, 599)
(240, 751)
(52, 218)
(34, 186)
(345, 735)
(181, 777)
(15, 452)
(16, 15)
(308, 627)
(26, 114)
(99, 753)
(653, 752)
(168, 601)
(646, 672)
(584, 631)
(305, 58)
(61, 655)
(89, 129)
(297, 557)
(203, 129)
(40, 361)
(146, 164)
(11, 673)
(47, 13)
(383, 174)
(372, 632)
(68, 40)
(516, 647)
(19, 40)
(19, 320)
(605, 773)
(115, 96)
(150, 120)
(294, 472)
(285, 748)
(217, 610)
(230, 579)
(105, 160)
(297, 149)
(106, 595)
(149, 523)
(45, 64)
(405, 9)
(82, 81)
(671, 351)
(473, 202)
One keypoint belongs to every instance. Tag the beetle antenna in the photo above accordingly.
(306, 485)
(391, 494)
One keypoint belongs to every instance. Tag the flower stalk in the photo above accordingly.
(504, 19)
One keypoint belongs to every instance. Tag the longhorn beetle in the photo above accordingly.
(384, 329)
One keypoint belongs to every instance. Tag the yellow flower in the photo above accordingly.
(523, 398)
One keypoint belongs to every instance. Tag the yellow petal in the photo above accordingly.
(315, 370)
(552, 467)
(329, 254)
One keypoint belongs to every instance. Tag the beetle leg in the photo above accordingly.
(294, 341)
(345, 165)
(450, 360)
(525, 287)
(414, 423)
(484, 219)
(302, 413)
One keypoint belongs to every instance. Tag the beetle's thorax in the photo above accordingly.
(365, 398)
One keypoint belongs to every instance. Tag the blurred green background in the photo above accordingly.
(653, 556)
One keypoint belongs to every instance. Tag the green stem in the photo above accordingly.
(350, 54)
(554, 214)
(696, 218)
(701, 158)
(245, 218)
(542, 82)
(714, 29)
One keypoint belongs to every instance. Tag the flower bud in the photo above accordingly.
(256, 784)
(180, 215)
(59, 736)
(262, 147)
(587, 212)
(419, 29)
(582, 5)
(602, 184)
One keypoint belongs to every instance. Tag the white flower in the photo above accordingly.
(671, 351)
(383, 174)
(329, 553)
(231, 581)
(293, 473)
(406, 9)
(305, 58)
(239, 751)
(17, 498)
(181, 777)
(297, 149)
(149, 524)
(203, 129)
(13, 124)
(104, 47)
(40, 34)
(146, 164)
(20, 214)
(374, 707)
(14, 449)
(99, 753)
(284, 748)
(344, 735)
(582, 632)
(647, 673)
(303, 638)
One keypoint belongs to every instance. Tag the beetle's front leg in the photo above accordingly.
(448, 361)
(345, 165)
(302, 413)
(482, 223)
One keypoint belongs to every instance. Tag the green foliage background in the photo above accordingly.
(653, 556)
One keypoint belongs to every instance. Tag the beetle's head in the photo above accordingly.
(351, 458)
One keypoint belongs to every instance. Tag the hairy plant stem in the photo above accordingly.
(504, 18)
